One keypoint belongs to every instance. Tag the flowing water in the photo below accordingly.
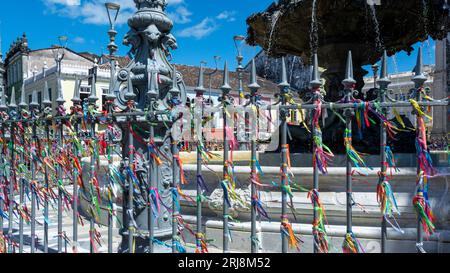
(394, 61)
(277, 14)
(424, 16)
(313, 34)
(291, 75)
(376, 25)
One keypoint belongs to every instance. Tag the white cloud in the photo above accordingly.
(202, 29)
(94, 12)
(79, 40)
(226, 15)
(181, 15)
(207, 25)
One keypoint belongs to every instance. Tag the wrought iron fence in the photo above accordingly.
(42, 151)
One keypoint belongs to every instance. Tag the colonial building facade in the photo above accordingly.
(35, 69)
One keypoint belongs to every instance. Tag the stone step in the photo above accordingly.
(269, 236)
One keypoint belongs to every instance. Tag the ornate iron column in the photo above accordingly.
(150, 76)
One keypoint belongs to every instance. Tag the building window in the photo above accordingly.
(50, 94)
(30, 98)
(40, 98)
(104, 93)
(85, 91)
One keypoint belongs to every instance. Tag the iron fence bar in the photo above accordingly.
(12, 179)
(76, 108)
(419, 80)
(3, 162)
(22, 191)
(130, 209)
(226, 149)
(175, 210)
(176, 165)
(92, 104)
(33, 167)
(92, 177)
(383, 83)
(59, 170)
(151, 172)
(46, 177)
(317, 100)
(76, 154)
(22, 106)
(315, 173)
(199, 103)
(253, 158)
(383, 144)
(109, 146)
(349, 193)
(199, 176)
(284, 91)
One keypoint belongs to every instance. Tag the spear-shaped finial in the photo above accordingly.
(60, 98)
(152, 80)
(175, 91)
(3, 106)
(46, 102)
(384, 81)
(93, 95)
(349, 81)
(315, 79)
(200, 89)
(130, 95)
(419, 77)
(253, 86)
(284, 82)
(226, 88)
(34, 100)
(76, 92)
(23, 103)
(12, 102)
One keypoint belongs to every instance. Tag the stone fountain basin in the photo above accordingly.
(285, 28)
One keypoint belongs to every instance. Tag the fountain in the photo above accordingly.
(341, 26)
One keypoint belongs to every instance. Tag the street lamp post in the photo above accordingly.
(58, 54)
(238, 42)
(113, 12)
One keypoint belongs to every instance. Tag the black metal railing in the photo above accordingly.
(42, 151)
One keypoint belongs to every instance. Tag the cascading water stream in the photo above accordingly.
(394, 62)
(313, 34)
(274, 21)
(376, 25)
(424, 16)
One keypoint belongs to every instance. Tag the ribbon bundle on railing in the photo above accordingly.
(420, 200)
(362, 117)
(322, 154)
(203, 243)
(355, 156)
(422, 205)
(319, 230)
(286, 230)
(351, 244)
(388, 204)
(423, 155)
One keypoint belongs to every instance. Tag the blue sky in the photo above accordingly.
(203, 28)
